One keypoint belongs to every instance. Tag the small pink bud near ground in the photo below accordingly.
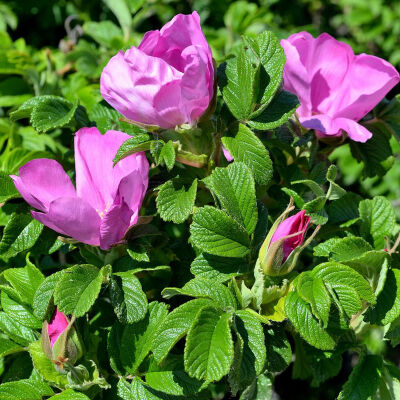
(107, 199)
(168, 80)
(60, 341)
(336, 88)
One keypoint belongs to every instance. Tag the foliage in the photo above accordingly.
(181, 309)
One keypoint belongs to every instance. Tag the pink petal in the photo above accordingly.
(97, 180)
(74, 217)
(41, 181)
(227, 154)
(57, 326)
(296, 223)
(368, 81)
(115, 223)
(197, 82)
(130, 81)
(354, 130)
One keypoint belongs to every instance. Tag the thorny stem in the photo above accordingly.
(396, 244)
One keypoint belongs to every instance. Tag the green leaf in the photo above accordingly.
(282, 107)
(349, 248)
(177, 383)
(218, 269)
(375, 153)
(260, 389)
(137, 338)
(214, 232)
(167, 155)
(45, 366)
(51, 113)
(175, 200)
(300, 314)
(8, 190)
(77, 289)
(44, 294)
(349, 286)
(250, 351)
(69, 394)
(25, 110)
(233, 76)
(133, 145)
(200, 287)
(121, 11)
(19, 313)
(24, 280)
(17, 332)
(236, 191)
(279, 351)
(364, 379)
(130, 302)
(270, 54)
(24, 389)
(175, 326)
(20, 234)
(378, 220)
(247, 148)
(209, 347)
(106, 33)
(387, 307)
(8, 347)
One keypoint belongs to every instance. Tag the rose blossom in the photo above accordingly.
(167, 80)
(106, 200)
(335, 87)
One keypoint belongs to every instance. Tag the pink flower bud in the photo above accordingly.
(168, 80)
(297, 223)
(56, 326)
(227, 154)
(336, 88)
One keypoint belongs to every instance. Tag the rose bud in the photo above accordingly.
(284, 243)
(227, 154)
(107, 199)
(167, 81)
(336, 88)
(60, 342)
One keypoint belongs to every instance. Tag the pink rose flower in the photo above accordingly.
(335, 87)
(56, 326)
(107, 199)
(297, 223)
(167, 80)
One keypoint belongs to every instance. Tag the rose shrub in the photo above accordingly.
(185, 219)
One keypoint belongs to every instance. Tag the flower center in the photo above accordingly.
(104, 212)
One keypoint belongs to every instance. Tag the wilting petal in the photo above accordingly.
(130, 81)
(97, 180)
(41, 181)
(73, 217)
(56, 326)
(115, 223)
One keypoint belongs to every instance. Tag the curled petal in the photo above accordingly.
(74, 217)
(41, 181)
(97, 180)
(130, 81)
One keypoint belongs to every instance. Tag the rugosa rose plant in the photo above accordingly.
(197, 241)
